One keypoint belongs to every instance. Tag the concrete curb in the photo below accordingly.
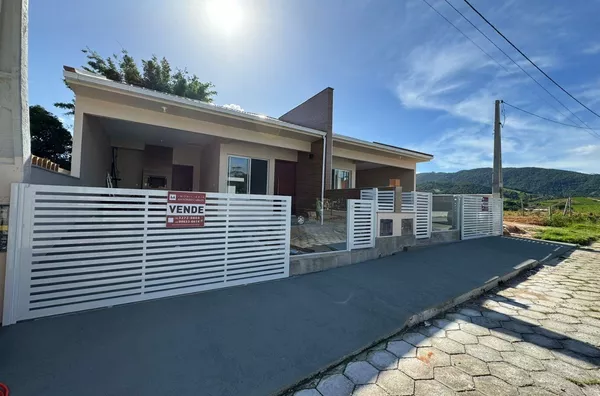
(430, 313)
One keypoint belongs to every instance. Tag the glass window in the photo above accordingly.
(247, 176)
(341, 179)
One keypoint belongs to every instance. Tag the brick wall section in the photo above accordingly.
(380, 177)
(315, 113)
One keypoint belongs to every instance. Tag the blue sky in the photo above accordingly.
(401, 74)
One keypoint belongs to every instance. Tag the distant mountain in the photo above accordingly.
(538, 181)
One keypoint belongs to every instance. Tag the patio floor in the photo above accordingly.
(253, 340)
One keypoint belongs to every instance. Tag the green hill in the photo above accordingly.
(535, 181)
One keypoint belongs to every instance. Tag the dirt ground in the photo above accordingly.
(522, 230)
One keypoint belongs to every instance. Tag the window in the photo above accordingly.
(247, 175)
(341, 179)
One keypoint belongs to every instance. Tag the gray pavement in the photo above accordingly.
(539, 335)
(263, 338)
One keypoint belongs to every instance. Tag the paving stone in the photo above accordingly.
(462, 337)
(453, 378)
(505, 311)
(335, 385)
(447, 345)
(509, 373)
(446, 324)
(592, 390)
(533, 350)
(433, 356)
(361, 373)
(542, 341)
(563, 318)
(494, 315)
(488, 323)
(588, 329)
(569, 311)
(526, 320)
(590, 321)
(558, 327)
(474, 329)
(369, 390)
(470, 364)
(581, 347)
(496, 343)
(576, 359)
(383, 360)
(469, 312)
(396, 383)
(506, 335)
(517, 327)
(493, 386)
(534, 391)
(431, 331)
(307, 392)
(555, 383)
(484, 353)
(416, 339)
(567, 370)
(532, 314)
(415, 368)
(542, 308)
(402, 349)
(587, 338)
(458, 318)
(429, 388)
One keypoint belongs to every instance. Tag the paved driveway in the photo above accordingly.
(253, 340)
(538, 336)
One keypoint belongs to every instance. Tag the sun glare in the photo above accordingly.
(225, 15)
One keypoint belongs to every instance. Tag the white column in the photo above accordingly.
(15, 155)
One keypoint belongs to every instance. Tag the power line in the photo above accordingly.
(530, 61)
(549, 119)
(468, 38)
(522, 69)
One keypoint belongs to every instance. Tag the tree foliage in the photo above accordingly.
(49, 138)
(156, 74)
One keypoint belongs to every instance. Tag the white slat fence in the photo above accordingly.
(77, 248)
(384, 198)
(361, 223)
(481, 216)
(421, 204)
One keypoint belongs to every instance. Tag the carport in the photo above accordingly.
(257, 339)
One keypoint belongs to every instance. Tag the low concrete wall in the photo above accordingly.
(44, 176)
(306, 263)
(440, 237)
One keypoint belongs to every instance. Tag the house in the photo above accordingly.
(131, 137)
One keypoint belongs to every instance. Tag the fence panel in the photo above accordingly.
(384, 198)
(361, 223)
(79, 248)
(481, 216)
(421, 204)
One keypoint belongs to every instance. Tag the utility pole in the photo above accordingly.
(497, 184)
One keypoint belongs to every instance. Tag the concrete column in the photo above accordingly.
(15, 149)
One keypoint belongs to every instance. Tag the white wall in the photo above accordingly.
(345, 164)
(253, 151)
(96, 153)
(209, 168)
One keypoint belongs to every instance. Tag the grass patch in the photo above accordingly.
(578, 233)
(584, 382)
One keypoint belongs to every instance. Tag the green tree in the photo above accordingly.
(49, 138)
(156, 74)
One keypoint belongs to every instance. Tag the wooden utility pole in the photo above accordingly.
(497, 183)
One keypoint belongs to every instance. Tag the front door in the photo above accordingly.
(182, 178)
(285, 180)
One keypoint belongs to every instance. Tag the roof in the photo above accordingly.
(382, 147)
(73, 75)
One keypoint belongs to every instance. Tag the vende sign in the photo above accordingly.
(185, 209)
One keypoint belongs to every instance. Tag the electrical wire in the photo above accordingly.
(523, 70)
(530, 61)
(468, 38)
(549, 119)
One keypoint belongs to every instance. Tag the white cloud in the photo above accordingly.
(592, 49)
(233, 107)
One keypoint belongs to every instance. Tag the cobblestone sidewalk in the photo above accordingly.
(539, 335)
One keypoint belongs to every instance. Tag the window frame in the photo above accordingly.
(333, 187)
(229, 156)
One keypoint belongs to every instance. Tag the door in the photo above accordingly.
(285, 180)
(182, 178)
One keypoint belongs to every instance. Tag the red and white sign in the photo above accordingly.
(485, 204)
(185, 209)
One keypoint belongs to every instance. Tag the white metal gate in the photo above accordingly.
(384, 198)
(361, 223)
(480, 216)
(421, 204)
(77, 248)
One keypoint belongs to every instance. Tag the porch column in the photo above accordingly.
(15, 155)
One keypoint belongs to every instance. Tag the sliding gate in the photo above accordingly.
(77, 248)
(481, 216)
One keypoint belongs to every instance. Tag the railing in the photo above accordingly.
(76, 248)
(384, 198)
